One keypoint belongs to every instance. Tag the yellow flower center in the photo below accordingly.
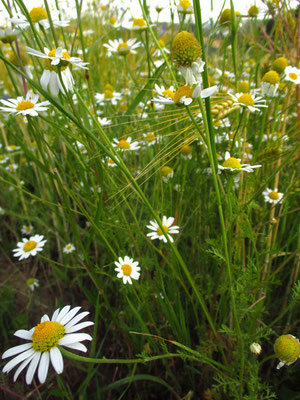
(37, 14)
(103, 8)
(185, 4)
(182, 91)
(108, 86)
(127, 269)
(246, 99)
(168, 93)
(29, 245)
(140, 22)
(243, 87)
(225, 16)
(287, 348)
(271, 77)
(150, 137)
(112, 20)
(27, 228)
(162, 43)
(232, 162)
(12, 147)
(68, 247)
(293, 76)
(186, 150)
(161, 232)
(30, 281)
(280, 64)
(273, 195)
(108, 94)
(123, 144)
(62, 65)
(185, 49)
(123, 48)
(46, 335)
(24, 105)
(166, 171)
(253, 11)
(110, 161)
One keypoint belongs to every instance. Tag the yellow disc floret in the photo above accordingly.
(24, 105)
(182, 91)
(287, 348)
(273, 195)
(186, 150)
(225, 16)
(123, 144)
(166, 171)
(47, 335)
(37, 14)
(293, 76)
(232, 162)
(29, 245)
(271, 77)
(243, 87)
(280, 64)
(253, 11)
(168, 93)
(108, 94)
(139, 22)
(127, 269)
(112, 20)
(150, 137)
(160, 232)
(62, 65)
(246, 99)
(123, 48)
(185, 4)
(185, 49)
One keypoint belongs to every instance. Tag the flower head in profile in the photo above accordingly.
(168, 229)
(234, 166)
(109, 96)
(185, 7)
(8, 35)
(38, 16)
(166, 173)
(287, 349)
(126, 144)
(280, 64)
(269, 84)
(272, 196)
(127, 269)
(122, 47)
(292, 74)
(29, 247)
(248, 100)
(44, 340)
(69, 248)
(32, 283)
(27, 106)
(139, 24)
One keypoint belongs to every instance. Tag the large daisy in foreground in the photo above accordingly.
(27, 106)
(29, 247)
(44, 341)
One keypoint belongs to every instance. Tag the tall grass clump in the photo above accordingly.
(149, 178)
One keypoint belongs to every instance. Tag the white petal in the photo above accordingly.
(76, 319)
(21, 357)
(57, 360)
(32, 367)
(73, 338)
(45, 78)
(209, 91)
(78, 327)
(22, 366)
(44, 366)
(55, 314)
(23, 334)
(16, 350)
(77, 346)
(45, 318)
(62, 313)
(69, 315)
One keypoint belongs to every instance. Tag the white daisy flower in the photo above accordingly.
(29, 247)
(138, 24)
(111, 163)
(3, 159)
(248, 100)
(126, 144)
(157, 52)
(167, 227)
(32, 283)
(104, 121)
(109, 96)
(127, 269)
(272, 196)
(12, 167)
(166, 173)
(287, 349)
(44, 341)
(69, 248)
(185, 7)
(12, 147)
(27, 106)
(186, 152)
(232, 164)
(122, 47)
(150, 138)
(38, 16)
(27, 229)
(292, 74)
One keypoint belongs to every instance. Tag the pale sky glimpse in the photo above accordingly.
(68, 7)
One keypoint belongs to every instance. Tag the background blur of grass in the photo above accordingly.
(56, 190)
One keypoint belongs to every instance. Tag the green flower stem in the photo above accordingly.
(238, 128)
(234, 40)
(130, 71)
(51, 23)
(75, 357)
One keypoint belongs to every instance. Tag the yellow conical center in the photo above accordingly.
(27, 229)
(112, 20)
(273, 195)
(62, 65)
(287, 348)
(185, 4)
(293, 76)
(37, 14)
(166, 171)
(246, 99)
(108, 94)
(24, 105)
(185, 49)
(12, 147)
(186, 150)
(127, 269)
(280, 64)
(160, 232)
(140, 22)
(30, 281)
(150, 137)
(110, 161)
(168, 93)
(232, 162)
(46, 335)
(29, 245)
(162, 43)
(243, 87)
(123, 48)
(271, 77)
(225, 16)
(253, 11)
(68, 247)
(182, 91)
(123, 144)
(108, 86)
